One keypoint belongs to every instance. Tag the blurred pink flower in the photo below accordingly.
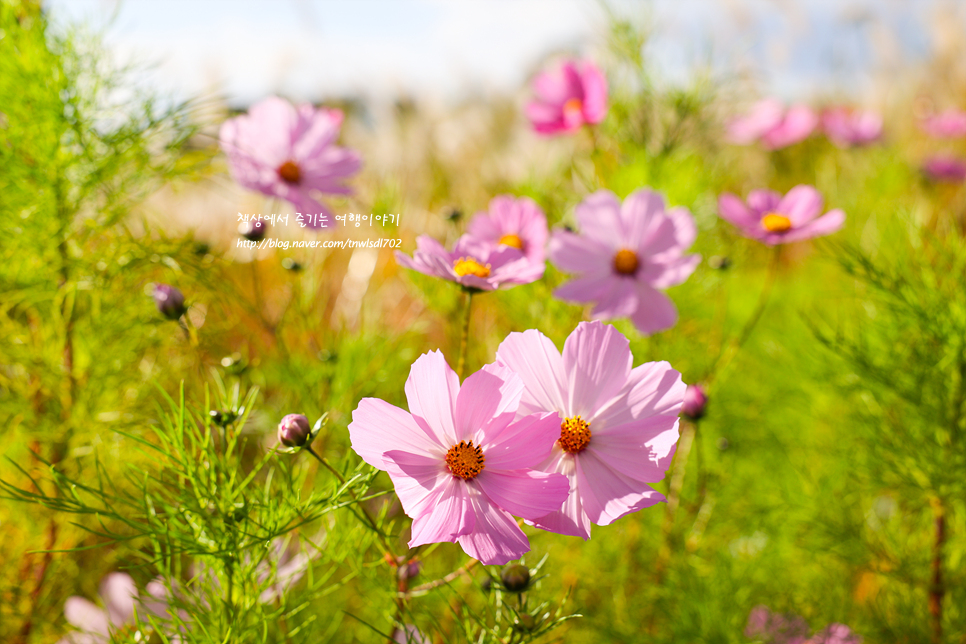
(516, 222)
(851, 128)
(473, 264)
(624, 254)
(836, 634)
(774, 628)
(289, 152)
(573, 96)
(120, 597)
(769, 122)
(617, 426)
(409, 635)
(945, 168)
(950, 124)
(773, 219)
(459, 460)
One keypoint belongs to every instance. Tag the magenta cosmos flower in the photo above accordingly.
(617, 426)
(944, 168)
(289, 152)
(473, 264)
(575, 95)
(773, 219)
(515, 222)
(950, 124)
(769, 122)
(461, 460)
(624, 254)
(851, 128)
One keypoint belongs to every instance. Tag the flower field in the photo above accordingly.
(605, 360)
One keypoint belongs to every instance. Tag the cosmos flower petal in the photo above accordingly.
(492, 393)
(524, 443)
(417, 479)
(827, 224)
(120, 594)
(570, 519)
(591, 288)
(378, 427)
(642, 216)
(652, 389)
(524, 493)
(672, 272)
(616, 298)
(496, 538)
(535, 358)
(801, 205)
(655, 311)
(600, 220)
(597, 361)
(606, 494)
(734, 210)
(640, 450)
(764, 115)
(431, 390)
(86, 616)
(575, 254)
(762, 202)
(451, 517)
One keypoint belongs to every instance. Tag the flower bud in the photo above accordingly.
(294, 430)
(409, 569)
(253, 230)
(695, 401)
(170, 301)
(515, 578)
(525, 623)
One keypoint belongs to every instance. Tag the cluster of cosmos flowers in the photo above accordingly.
(559, 439)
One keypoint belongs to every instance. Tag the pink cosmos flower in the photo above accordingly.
(619, 425)
(945, 168)
(120, 597)
(473, 263)
(516, 222)
(775, 628)
(289, 152)
(461, 459)
(847, 128)
(773, 219)
(573, 96)
(950, 124)
(773, 125)
(625, 253)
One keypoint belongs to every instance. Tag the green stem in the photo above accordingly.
(464, 338)
(727, 355)
(365, 513)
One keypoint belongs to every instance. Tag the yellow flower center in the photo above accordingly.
(469, 266)
(626, 262)
(573, 106)
(512, 240)
(574, 434)
(290, 172)
(465, 460)
(775, 223)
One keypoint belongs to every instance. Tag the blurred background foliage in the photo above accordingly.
(826, 479)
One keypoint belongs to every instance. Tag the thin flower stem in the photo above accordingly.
(464, 338)
(727, 355)
(456, 574)
(368, 517)
(936, 588)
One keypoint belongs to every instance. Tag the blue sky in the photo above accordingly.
(321, 49)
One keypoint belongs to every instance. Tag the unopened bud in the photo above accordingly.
(525, 623)
(253, 230)
(294, 430)
(515, 578)
(695, 400)
(170, 301)
(409, 569)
